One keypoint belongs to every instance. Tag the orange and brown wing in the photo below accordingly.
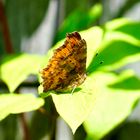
(67, 67)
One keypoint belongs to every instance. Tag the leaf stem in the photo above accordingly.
(5, 30)
(25, 127)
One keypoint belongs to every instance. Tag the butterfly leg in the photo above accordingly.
(72, 91)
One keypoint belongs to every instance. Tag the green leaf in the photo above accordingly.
(115, 49)
(119, 46)
(126, 26)
(13, 104)
(16, 68)
(75, 108)
(93, 37)
(115, 55)
(127, 81)
(112, 106)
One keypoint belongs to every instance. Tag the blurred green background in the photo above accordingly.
(107, 107)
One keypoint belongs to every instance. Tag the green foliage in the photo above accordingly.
(103, 101)
(13, 104)
(76, 22)
(99, 92)
(75, 108)
(16, 68)
(111, 107)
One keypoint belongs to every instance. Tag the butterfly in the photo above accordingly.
(67, 68)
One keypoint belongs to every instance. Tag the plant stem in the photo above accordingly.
(25, 127)
(5, 30)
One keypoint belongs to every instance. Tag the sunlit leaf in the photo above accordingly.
(120, 45)
(112, 106)
(15, 69)
(126, 26)
(74, 108)
(13, 104)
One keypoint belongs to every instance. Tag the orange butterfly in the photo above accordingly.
(67, 67)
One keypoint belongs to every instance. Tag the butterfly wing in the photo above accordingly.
(67, 67)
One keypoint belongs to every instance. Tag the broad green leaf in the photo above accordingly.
(93, 37)
(112, 106)
(13, 104)
(15, 69)
(75, 108)
(118, 47)
(109, 111)
(115, 54)
(96, 96)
